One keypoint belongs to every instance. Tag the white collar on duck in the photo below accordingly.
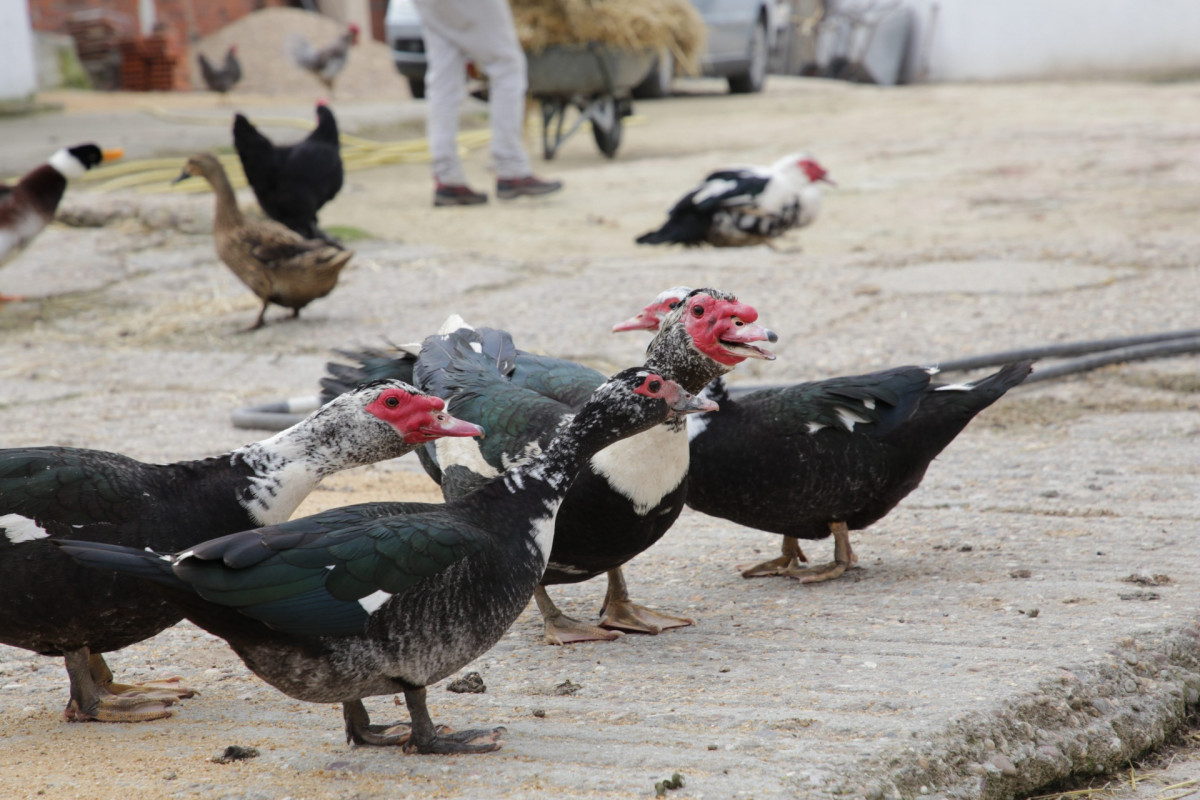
(66, 164)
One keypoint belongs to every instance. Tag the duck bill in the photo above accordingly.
(688, 403)
(453, 426)
(738, 340)
(642, 322)
(111, 154)
(183, 176)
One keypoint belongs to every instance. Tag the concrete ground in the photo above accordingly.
(1028, 616)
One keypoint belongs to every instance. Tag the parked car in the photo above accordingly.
(741, 36)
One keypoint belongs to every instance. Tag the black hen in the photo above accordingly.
(224, 78)
(292, 182)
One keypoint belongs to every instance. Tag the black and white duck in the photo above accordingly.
(824, 457)
(628, 495)
(53, 606)
(349, 604)
(29, 206)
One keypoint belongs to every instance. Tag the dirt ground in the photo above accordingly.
(966, 219)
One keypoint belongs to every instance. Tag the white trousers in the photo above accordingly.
(457, 31)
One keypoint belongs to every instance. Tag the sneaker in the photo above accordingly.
(508, 188)
(457, 195)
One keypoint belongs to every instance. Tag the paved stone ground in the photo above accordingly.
(1028, 614)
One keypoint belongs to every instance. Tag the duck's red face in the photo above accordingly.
(650, 317)
(679, 399)
(724, 329)
(815, 171)
(419, 418)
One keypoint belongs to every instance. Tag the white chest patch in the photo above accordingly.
(542, 531)
(462, 451)
(19, 529)
(696, 425)
(274, 497)
(645, 467)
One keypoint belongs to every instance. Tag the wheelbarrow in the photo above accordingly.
(595, 79)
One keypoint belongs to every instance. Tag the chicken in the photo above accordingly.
(223, 79)
(745, 206)
(292, 182)
(327, 62)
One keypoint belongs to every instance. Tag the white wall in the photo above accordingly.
(966, 40)
(18, 76)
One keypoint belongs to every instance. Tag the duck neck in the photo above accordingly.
(228, 214)
(289, 465)
(673, 355)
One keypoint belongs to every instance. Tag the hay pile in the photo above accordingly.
(267, 68)
(657, 25)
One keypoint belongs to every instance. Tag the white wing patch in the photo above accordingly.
(848, 418)
(18, 529)
(714, 189)
(373, 601)
(955, 387)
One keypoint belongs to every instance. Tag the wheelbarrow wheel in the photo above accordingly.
(608, 136)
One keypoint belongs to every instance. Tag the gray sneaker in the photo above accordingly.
(457, 195)
(508, 188)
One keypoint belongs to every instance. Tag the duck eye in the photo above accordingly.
(697, 311)
(655, 386)
(391, 401)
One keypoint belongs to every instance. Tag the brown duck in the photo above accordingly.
(279, 265)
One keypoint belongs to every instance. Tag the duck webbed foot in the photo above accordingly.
(561, 629)
(96, 698)
(620, 612)
(843, 559)
(788, 562)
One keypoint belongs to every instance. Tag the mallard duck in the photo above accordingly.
(279, 265)
(28, 207)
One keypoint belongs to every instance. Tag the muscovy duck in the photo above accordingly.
(327, 62)
(350, 603)
(744, 206)
(29, 206)
(55, 607)
(850, 448)
(223, 78)
(279, 265)
(292, 182)
(628, 495)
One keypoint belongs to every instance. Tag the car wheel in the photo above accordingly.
(658, 82)
(755, 76)
(417, 87)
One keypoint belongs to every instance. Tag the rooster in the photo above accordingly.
(292, 181)
(745, 206)
(327, 62)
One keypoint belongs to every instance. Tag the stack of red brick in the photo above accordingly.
(148, 64)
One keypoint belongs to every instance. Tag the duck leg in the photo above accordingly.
(426, 738)
(788, 561)
(93, 697)
(561, 629)
(104, 678)
(843, 558)
(258, 323)
(620, 612)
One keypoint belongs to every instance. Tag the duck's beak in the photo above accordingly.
(687, 403)
(183, 176)
(111, 155)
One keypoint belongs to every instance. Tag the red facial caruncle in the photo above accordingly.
(680, 400)
(814, 171)
(650, 317)
(724, 329)
(419, 418)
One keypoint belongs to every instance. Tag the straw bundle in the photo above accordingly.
(657, 25)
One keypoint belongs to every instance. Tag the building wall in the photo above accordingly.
(18, 78)
(981, 40)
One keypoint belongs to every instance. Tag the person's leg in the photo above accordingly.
(445, 90)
